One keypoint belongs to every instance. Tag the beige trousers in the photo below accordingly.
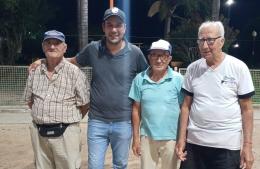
(158, 154)
(62, 152)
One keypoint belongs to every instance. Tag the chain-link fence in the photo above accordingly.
(256, 80)
(13, 81)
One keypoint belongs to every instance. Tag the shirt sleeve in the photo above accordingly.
(180, 93)
(82, 89)
(27, 96)
(187, 83)
(245, 84)
(82, 57)
(135, 92)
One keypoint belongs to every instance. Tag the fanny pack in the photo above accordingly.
(52, 130)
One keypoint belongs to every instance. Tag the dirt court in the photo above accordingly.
(16, 151)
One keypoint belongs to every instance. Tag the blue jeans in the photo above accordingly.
(100, 134)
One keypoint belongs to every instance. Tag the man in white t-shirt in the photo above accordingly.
(217, 107)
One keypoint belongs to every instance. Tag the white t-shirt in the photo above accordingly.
(215, 115)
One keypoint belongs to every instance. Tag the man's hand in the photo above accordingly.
(136, 147)
(246, 158)
(247, 112)
(30, 103)
(84, 109)
(34, 65)
(179, 150)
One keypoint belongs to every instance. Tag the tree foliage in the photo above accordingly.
(184, 39)
(174, 11)
(186, 16)
(20, 20)
(185, 35)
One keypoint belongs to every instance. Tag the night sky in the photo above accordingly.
(244, 15)
(140, 24)
(242, 12)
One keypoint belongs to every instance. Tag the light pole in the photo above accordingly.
(111, 3)
(254, 34)
(229, 3)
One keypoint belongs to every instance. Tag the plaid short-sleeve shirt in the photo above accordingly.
(56, 100)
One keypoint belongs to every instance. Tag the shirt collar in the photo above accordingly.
(103, 48)
(56, 69)
(168, 75)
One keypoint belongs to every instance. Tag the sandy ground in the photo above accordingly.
(16, 151)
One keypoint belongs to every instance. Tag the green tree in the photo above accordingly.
(185, 35)
(230, 33)
(184, 39)
(20, 20)
(168, 11)
(188, 15)
(215, 10)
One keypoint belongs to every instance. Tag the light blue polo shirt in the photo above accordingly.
(160, 104)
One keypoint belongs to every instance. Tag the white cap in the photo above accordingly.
(161, 45)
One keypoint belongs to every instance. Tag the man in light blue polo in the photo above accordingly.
(157, 98)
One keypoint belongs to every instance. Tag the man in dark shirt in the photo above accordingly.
(114, 62)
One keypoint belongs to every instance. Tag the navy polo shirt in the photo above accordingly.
(112, 76)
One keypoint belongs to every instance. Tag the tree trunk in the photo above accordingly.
(215, 10)
(1, 50)
(82, 23)
(13, 47)
(167, 27)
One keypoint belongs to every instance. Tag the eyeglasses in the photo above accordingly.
(155, 56)
(210, 41)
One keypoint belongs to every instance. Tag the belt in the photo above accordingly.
(53, 125)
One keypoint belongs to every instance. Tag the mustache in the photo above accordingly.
(50, 50)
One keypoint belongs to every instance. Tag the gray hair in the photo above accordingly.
(217, 24)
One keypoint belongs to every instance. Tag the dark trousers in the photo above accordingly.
(201, 157)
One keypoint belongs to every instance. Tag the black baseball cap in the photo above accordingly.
(114, 12)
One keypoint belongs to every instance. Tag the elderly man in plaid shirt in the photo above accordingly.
(58, 94)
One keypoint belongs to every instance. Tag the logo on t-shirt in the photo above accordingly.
(228, 81)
